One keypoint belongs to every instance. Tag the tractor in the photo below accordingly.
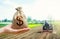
(47, 27)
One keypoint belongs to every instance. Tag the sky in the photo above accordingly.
(37, 9)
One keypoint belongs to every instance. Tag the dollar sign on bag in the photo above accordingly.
(19, 22)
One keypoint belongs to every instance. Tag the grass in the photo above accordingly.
(34, 25)
(2, 24)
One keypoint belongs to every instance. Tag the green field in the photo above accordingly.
(34, 25)
(2, 24)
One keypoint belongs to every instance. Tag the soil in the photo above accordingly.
(35, 33)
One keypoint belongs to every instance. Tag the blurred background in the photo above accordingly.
(36, 11)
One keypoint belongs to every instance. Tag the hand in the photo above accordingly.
(8, 29)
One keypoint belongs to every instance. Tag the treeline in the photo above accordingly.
(29, 20)
(34, 21)
(5, 20)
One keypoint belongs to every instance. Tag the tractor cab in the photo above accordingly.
(47, 27)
